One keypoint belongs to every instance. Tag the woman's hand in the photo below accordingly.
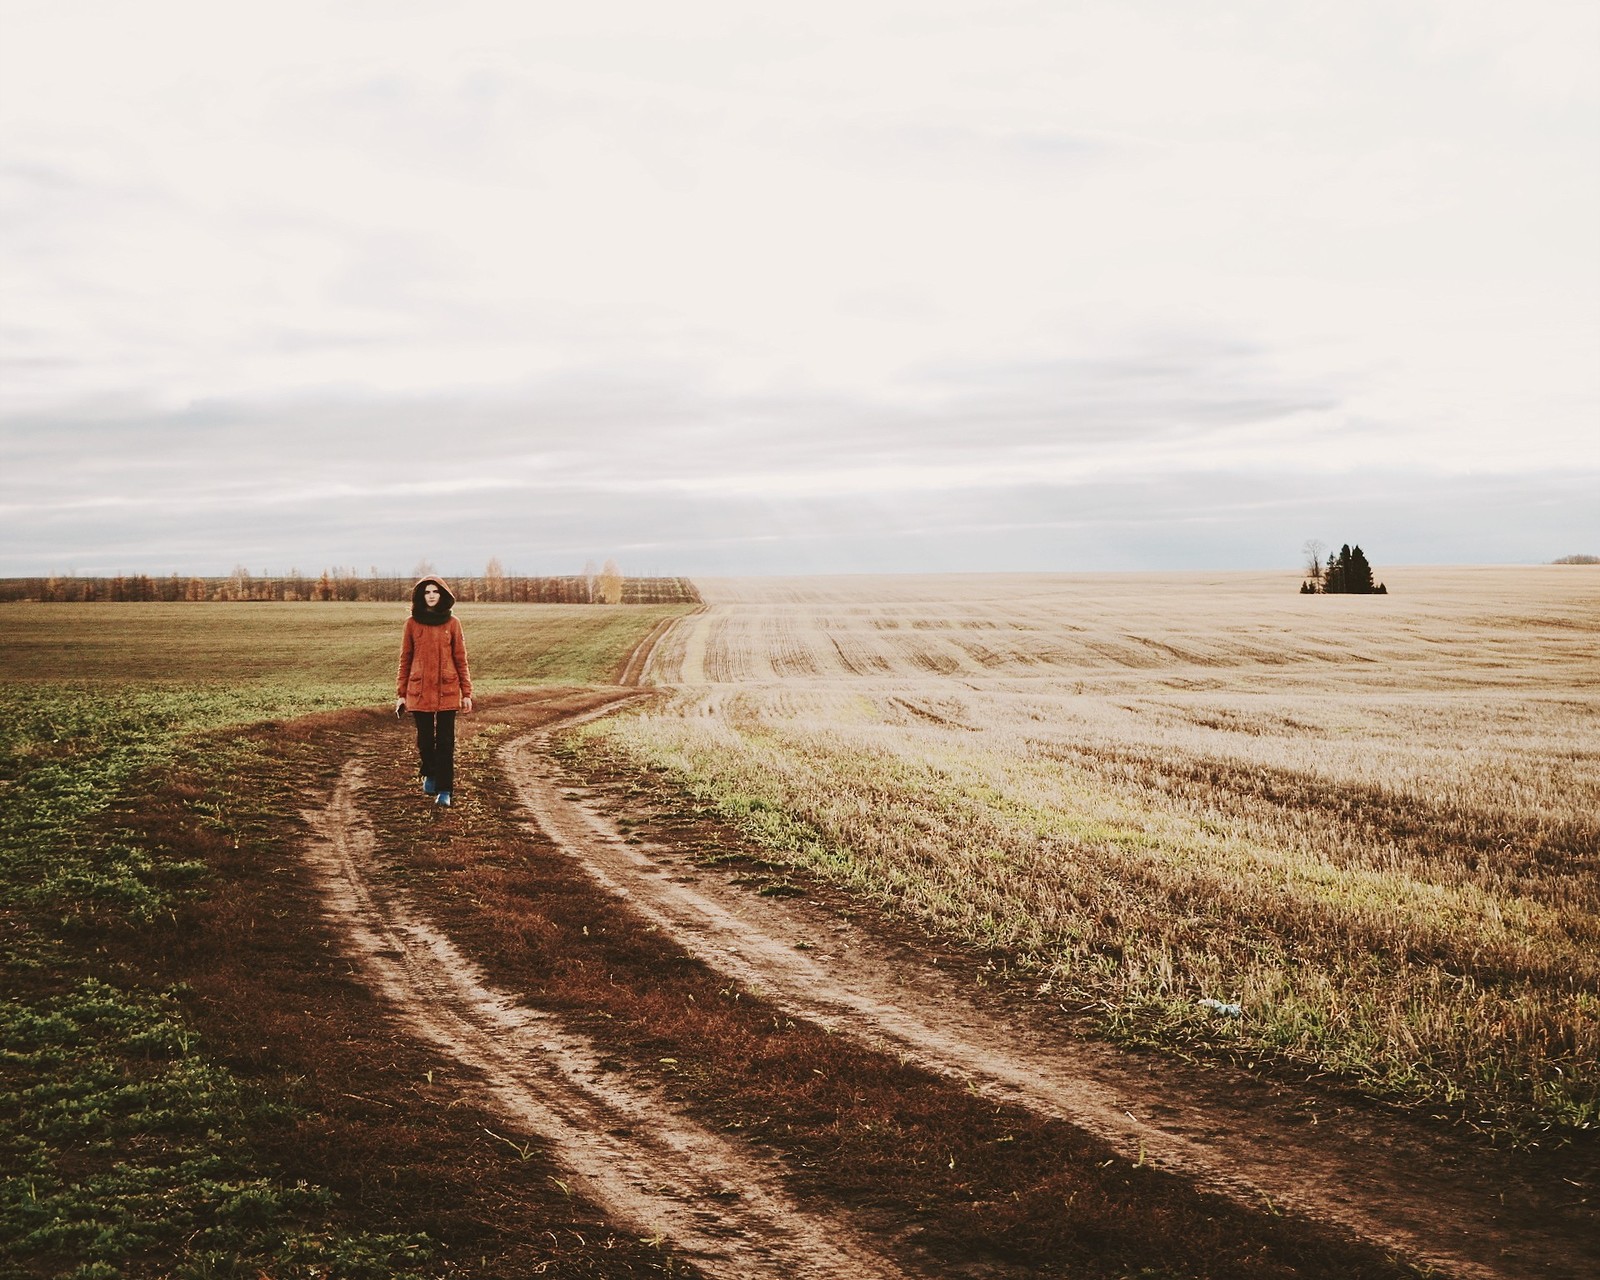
(466, 706)
(399, 706)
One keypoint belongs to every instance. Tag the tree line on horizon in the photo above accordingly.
(1346, 573)
(604, 585)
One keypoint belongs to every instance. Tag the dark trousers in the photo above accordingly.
(436, 744)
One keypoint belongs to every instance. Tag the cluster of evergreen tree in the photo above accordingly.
(1347, 573)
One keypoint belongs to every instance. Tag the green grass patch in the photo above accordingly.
(113, 1080)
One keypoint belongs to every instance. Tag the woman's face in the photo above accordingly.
(430, 596)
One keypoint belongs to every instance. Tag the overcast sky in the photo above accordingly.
(742, 288)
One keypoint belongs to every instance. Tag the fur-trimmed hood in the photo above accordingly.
(419, 609)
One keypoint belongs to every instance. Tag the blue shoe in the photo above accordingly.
(442, 798)
(430, 787)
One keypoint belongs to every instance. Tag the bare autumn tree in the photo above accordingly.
(494, 579)
(589, 576)
(610, 583)
(1312, 551)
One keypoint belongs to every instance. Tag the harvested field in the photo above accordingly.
(1370, 822)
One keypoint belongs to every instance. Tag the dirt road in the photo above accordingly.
(632, 1147)
(625, 1143)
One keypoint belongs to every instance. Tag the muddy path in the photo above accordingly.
(1410, 1188)
(626, 1144)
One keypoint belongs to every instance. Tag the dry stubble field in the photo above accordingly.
(1370, 822)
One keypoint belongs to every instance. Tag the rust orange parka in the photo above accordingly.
(433, 655)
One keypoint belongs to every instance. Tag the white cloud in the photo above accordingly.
(739, 242)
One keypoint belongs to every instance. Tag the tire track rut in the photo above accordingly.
(627, 1146)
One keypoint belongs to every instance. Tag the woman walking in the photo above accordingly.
(434, 683)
